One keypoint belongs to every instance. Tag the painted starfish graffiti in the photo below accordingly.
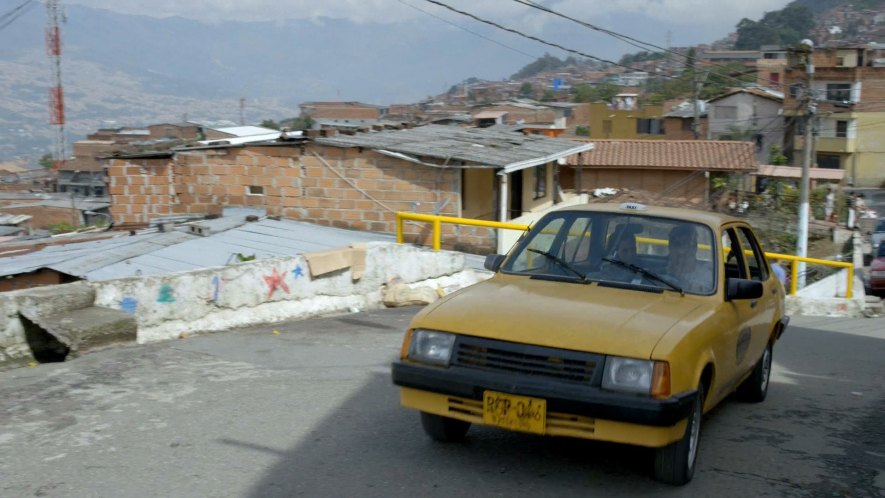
(275, 281)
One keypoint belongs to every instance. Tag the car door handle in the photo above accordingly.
(753, 303)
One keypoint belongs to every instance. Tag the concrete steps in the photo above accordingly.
(61, 322)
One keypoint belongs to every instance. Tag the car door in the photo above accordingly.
(734, 335)
(761, 312)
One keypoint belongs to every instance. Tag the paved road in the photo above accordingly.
(310, 411)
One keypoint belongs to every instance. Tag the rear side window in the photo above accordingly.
(753, 254)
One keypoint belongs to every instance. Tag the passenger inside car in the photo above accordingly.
(625, 252)
(683, 267)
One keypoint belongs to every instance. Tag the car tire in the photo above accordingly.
(755, 387)
(444, 429)
(675, 463)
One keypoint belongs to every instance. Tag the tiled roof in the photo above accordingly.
(712, 155)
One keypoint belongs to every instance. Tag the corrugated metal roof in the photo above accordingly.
(13, 219)
(161, 253)
(245, 131)
(264, 239)
(81, 258)
(478, 147)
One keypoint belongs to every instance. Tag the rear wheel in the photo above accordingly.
(755, 387)
(444, 429)
(675, 463)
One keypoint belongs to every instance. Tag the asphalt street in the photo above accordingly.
(307, 409)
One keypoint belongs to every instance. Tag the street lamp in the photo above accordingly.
(807, 47)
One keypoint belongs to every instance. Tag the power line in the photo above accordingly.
(535, 38)
(11, 16)
(431, 14)
(627, 39)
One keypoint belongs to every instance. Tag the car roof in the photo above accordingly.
(705, 217)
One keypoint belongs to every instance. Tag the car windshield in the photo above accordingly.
(618, 249)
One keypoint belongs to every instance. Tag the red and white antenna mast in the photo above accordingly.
(56, 92)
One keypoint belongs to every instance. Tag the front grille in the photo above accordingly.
(524, 359)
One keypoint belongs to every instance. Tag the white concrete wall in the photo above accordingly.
(172, 305)
(244, 294)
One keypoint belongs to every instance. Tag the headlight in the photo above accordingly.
(431, 347)
(628, 375)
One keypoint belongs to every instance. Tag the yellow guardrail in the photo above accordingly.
(438, 220)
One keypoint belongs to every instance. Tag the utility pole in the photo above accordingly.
(242, 111)
(807, 47)
(56, 92)
(696, 123)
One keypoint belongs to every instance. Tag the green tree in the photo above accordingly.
(582, 131)
(269, 123)
(303, 122)
(601, 92)
(548, 96)
(542, 64)
(46, 161)
(526, 91)
(776, 157)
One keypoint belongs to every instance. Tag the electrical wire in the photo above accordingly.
(535, 38)
(15, 13)
(627, 39)
(431, 14)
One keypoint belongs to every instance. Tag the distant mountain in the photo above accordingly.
(822, 21)
(137, 70)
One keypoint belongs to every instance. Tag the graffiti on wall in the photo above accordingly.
(217, 286)
(129, 305)
(298, 271)
(275, 281)
(166, 295)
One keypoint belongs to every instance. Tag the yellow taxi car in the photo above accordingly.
(620, 323)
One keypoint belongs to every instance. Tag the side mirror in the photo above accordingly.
(493, 262)
(741, 288)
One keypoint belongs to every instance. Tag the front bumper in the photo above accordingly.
(564, 397)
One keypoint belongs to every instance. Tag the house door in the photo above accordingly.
(515, 194)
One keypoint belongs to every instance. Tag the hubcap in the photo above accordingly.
(766, 369)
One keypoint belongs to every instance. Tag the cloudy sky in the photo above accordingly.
(685, 22)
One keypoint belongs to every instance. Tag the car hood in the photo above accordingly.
(572, 316)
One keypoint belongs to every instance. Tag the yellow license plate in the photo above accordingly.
(517, 413)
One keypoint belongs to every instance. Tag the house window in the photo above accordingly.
(254, 190)
(795, 90)
(829, 161)
(687, 125)
(650, 126)
(841, 129)
(839, 92)
(540, 181)
(774, 79)
(725, 112)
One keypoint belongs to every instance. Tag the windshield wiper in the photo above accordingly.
(643, 271)
(560, 261)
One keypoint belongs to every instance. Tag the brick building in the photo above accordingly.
(848, 88)
(356, 182)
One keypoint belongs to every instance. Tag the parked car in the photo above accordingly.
(877, 272)
(619, 323)
(878, 234)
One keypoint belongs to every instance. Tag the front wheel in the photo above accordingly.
(675, 463)
(755, 387)
(444, 429)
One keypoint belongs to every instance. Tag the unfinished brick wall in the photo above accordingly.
(329, 186)
(141, 190)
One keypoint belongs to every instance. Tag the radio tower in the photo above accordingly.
(56, 93)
